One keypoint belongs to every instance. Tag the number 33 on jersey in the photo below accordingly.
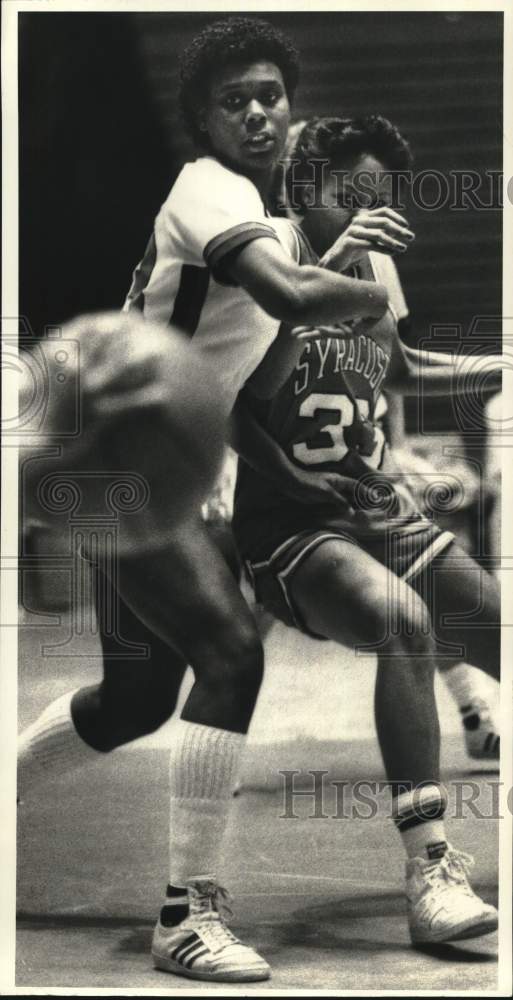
(332, 404)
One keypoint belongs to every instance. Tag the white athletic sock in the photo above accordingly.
(464, 684)
(203, 768)
(418, 816)
(51, 746)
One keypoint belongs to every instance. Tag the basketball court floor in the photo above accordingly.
(321, 898)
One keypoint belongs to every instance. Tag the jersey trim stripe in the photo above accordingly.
(143, 274)
(233, 239)
(190, 298)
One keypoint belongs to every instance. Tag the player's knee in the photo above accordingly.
(239, 658)
(371, 621)
(124, 716)
(399, 622)
(412, 626)
(154, 709)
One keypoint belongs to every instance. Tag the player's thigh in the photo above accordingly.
(129, 644)
(186, 592)
(464, 603)
(221, 535)
(454, 584)
(345, 594)
(135, 660)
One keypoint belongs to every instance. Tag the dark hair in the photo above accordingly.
(233, 40)
(341, 139)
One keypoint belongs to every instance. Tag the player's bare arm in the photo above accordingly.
(286, 289)
(433, 373)
(303, 295)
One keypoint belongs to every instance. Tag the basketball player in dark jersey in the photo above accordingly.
(333, 539)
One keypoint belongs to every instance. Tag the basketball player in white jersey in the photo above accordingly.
(221, 271)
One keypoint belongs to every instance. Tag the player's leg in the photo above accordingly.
(161, 415)
(464, 604)
(477, 706)
(186, 594)
(455, 587)
(346, 595)
(468, 688)
(199, 608)
(156, 413)
(383, 611)
(135, 696)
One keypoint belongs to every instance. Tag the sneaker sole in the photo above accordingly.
(485, 926)
(168, 965)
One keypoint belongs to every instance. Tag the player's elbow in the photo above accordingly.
(350, 299)
(290, 303)
(380, 299)
(374, 301)
(301, 298)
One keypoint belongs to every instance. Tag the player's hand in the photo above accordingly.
(380, 229)
(340, 331)
(321, 487)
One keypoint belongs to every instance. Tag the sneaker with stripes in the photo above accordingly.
(201, 946)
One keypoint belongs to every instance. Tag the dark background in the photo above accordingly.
(101, 142)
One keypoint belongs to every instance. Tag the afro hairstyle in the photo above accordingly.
(231, 41)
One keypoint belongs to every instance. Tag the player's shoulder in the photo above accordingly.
(292, 237)
(208, 176)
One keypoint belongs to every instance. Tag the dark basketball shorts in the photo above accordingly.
(406, 555)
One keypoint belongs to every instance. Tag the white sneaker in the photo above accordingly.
(202, 946)
(441, 904)
(482, 739)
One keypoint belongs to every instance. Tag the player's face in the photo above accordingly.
(247, 117)
(360, 184)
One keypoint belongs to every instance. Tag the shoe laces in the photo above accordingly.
(213, 916)
(211, 898)
(221, 901)
(215, 933)
(451, 870)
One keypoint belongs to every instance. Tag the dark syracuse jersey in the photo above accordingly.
(327, 417)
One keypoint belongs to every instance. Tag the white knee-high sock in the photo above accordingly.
(203, 768)
(51, 746)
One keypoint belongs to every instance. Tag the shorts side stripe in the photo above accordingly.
(433, 549)
(310, 545)
(274, 555)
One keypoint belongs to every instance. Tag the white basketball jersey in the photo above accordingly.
(182, 279)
